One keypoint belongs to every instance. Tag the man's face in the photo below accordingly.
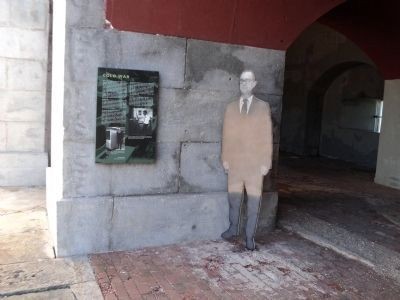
(247, 83)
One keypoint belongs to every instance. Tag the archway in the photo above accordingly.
(329, 201)
(360, 92)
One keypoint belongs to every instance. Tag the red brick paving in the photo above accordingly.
(284, 267)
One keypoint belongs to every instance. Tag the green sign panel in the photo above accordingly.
(127, 103)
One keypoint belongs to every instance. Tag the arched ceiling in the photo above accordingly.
(274, 24)
(374, 25)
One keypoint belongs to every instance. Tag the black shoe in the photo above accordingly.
(250, 244)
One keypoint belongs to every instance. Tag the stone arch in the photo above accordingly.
(315, 101)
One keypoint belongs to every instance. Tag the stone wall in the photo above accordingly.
(352, 141)
(23, 82)
(388, 166)
(182, 196)
(316, 51)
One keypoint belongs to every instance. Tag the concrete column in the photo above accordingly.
(182, 196)
(388, 164)
(23, 76)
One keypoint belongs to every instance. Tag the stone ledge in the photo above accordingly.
(101, 224)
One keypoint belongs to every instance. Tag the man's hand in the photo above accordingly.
(226, 166)
(264, 170)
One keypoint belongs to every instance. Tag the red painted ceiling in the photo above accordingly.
(270, 24)
(372, 24)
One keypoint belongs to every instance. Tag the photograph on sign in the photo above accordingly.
(126, 120)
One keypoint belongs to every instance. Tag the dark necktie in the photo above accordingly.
(244, 108)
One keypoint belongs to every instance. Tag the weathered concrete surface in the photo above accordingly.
(332, 204)
(59, 294)
(86, 290)
(27, 267)
(25, 137)
(82, 102)
(23, 74)
(137, 221)
(139, 51)
(201, 168)
(216, 66)
(82, 177)
(86, 234)
(85, 47)
(388, 165)
(81, 291)
(285, 267)
(37, 276)
(21, 247)
(22, 106)
(18, 44)
(22, 168)
(383, 260)
(161, 177)
(23, 226)
(159, 220)
(192, 115)
(31, 15)
(85, 14)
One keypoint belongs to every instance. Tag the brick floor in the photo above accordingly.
(284, 267)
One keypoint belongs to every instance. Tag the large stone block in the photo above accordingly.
(4, 13)
(192, 115)
(85, 53)
(167, 219)
(3, 74)
(82, 177)
(25, 136)
(31, 14)
(216, 66)
(80, 112)
(3, 136)
(22, 106)
(86, 13)
(24, 75)
(140, 51)
(23, 43)
(201, 168)
(160, 177)
(23, 169)
(197, 115)
(83, 225)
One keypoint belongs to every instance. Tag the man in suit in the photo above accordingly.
(246, 155)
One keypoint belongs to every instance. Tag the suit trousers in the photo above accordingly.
(252, 182)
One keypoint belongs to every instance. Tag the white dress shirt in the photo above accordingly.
(241, 102)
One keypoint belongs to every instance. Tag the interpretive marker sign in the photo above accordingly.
(126, 123)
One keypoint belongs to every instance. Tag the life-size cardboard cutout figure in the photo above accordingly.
(246, 155)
